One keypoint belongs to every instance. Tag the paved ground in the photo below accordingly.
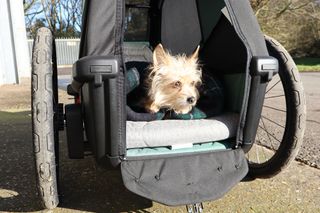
(310, 151)
(86, 187)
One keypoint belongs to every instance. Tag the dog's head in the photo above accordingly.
(174, 80)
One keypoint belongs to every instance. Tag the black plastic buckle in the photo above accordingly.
(95, 68)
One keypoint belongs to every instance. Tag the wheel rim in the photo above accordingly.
(272, 124)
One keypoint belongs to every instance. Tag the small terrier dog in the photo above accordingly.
(173, 82)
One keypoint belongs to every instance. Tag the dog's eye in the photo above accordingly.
(177, 84)
(196, 83)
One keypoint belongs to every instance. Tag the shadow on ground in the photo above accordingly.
(17, 179)
(83, 185)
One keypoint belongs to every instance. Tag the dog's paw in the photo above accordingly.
(183, 111)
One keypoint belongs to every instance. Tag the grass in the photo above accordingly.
(308, 64)
(14, 115)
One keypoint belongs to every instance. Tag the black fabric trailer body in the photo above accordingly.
(247, 27)
(104, 106)
(102, 29)
(105, 117)
(103, 36)
(185, 179)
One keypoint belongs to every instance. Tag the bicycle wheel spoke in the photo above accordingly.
(257, 154)
(263, 153)
(270, 134)
(261, 147)
(280, 110)
(272, 121)
(275, 96)
(273, 86)
(267, 134)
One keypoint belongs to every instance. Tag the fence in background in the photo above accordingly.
(67, 50)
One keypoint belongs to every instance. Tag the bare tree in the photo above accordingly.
(73, 16)
(32, 9)
(63, 17)
(287, 5)
(257, 5)
(295, 23)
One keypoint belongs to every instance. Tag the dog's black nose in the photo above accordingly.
(191, 100)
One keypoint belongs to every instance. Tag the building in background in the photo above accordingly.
(14, 55)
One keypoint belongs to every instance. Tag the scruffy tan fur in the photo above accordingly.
(173, 82)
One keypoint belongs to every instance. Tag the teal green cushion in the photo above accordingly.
(209, 146)
(195, 113)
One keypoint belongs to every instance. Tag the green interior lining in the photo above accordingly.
(202, 147)
(209, 14)
(234, 90)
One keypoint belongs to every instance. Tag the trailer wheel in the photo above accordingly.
(45, 117)
(283, 118)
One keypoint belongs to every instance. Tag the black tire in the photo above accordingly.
(295, 120)
(44, 119)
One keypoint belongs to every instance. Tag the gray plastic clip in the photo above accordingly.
(98, 80)
(195, 208)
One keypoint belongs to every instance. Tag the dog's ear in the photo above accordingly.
(195, 54)
(159, 55)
